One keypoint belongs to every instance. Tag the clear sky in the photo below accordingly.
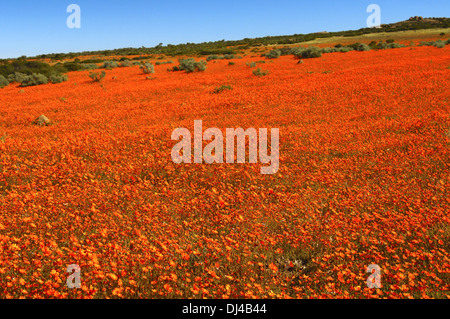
(32, 27)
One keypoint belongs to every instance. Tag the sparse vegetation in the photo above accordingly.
(147, 68)
(97, 76)
(125, 63)
(260, 72)
(223, 88)
(90, 66)
(110, 65)
(58, 78)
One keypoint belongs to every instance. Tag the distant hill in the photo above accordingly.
(417, 23)
(230, 47)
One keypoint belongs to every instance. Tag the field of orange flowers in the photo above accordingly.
(363, 179)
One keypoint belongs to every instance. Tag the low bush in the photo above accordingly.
(163, 62)
(71, 66)
(3, 81)
(96, 76)
(58, 78)
(260, 72)
(273, 54)
(190, 65)
(125, 63)
(147, 68)
(92, 61)
(395, 45)
(90, 66)
(222, 88)
(34, 79)
(213, 57)
(17, 77)
(363, 47)
(344, 49)
(439, 44)
(110, 65)
(329, 50)
(310, 52)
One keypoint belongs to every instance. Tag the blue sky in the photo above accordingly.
(30, 27)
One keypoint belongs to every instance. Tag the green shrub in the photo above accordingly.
(285, 51)
(213, 57)
(388, 41)
(125, 63)
(382, 46)
(344, 49)
(163, 62)
(394, 45)
(229, 56)
(29, 68)
(34, 79)
(90, 66)
(190, 65)
(17, 77)
(96, 76)
(251, 64)
(3, 81)
(439, 44)
(273, 54)
(260, 72)
(231, 63)
(147, 68)
(363, 47)
(310, 52)
(110, 65)
(222, 88)
(58, 78)
(71, 66)
(92, 61)
(329, 50)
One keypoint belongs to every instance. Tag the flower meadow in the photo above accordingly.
(363, 179)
